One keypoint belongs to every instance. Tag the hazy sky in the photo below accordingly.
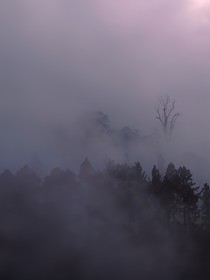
(60, 58)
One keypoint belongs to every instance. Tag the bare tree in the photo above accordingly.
(167, 115)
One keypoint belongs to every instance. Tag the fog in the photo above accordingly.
(83, 79)
(61, 60)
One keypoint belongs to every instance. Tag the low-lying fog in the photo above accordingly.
(83, 79)
(62, 61)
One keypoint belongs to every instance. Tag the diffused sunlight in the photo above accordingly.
(199, 10)
(121, 12)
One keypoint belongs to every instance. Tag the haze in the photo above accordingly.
(61, 59)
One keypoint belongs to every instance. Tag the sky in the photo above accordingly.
(62, 58)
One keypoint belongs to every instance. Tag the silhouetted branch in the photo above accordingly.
(166, 114)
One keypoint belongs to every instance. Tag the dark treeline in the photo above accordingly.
(117, 223)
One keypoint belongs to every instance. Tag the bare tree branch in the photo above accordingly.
(159, 117)
(175, 117)
(172, 108)
(166, 115)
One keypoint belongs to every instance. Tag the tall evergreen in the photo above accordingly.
(156, 181)
(169, 192)
(188, 196)
(205, 206)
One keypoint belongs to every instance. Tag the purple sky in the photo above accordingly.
(61, 58)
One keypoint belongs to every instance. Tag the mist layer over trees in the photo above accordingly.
(117, 223)
(98, 79)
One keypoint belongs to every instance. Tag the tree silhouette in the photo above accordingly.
(156, 180)
(140, 174)
(169, 192)
(205, 207)
(187, 202)
(167, 115)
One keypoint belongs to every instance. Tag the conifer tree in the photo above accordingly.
(188, 196)
(169, 192)
(205, 207)
(156, 180)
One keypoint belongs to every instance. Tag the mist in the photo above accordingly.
(82, 80)
(61, 60)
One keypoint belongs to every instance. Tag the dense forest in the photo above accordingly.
(118, 223)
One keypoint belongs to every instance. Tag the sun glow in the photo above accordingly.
(199, 4)
(200, 9)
